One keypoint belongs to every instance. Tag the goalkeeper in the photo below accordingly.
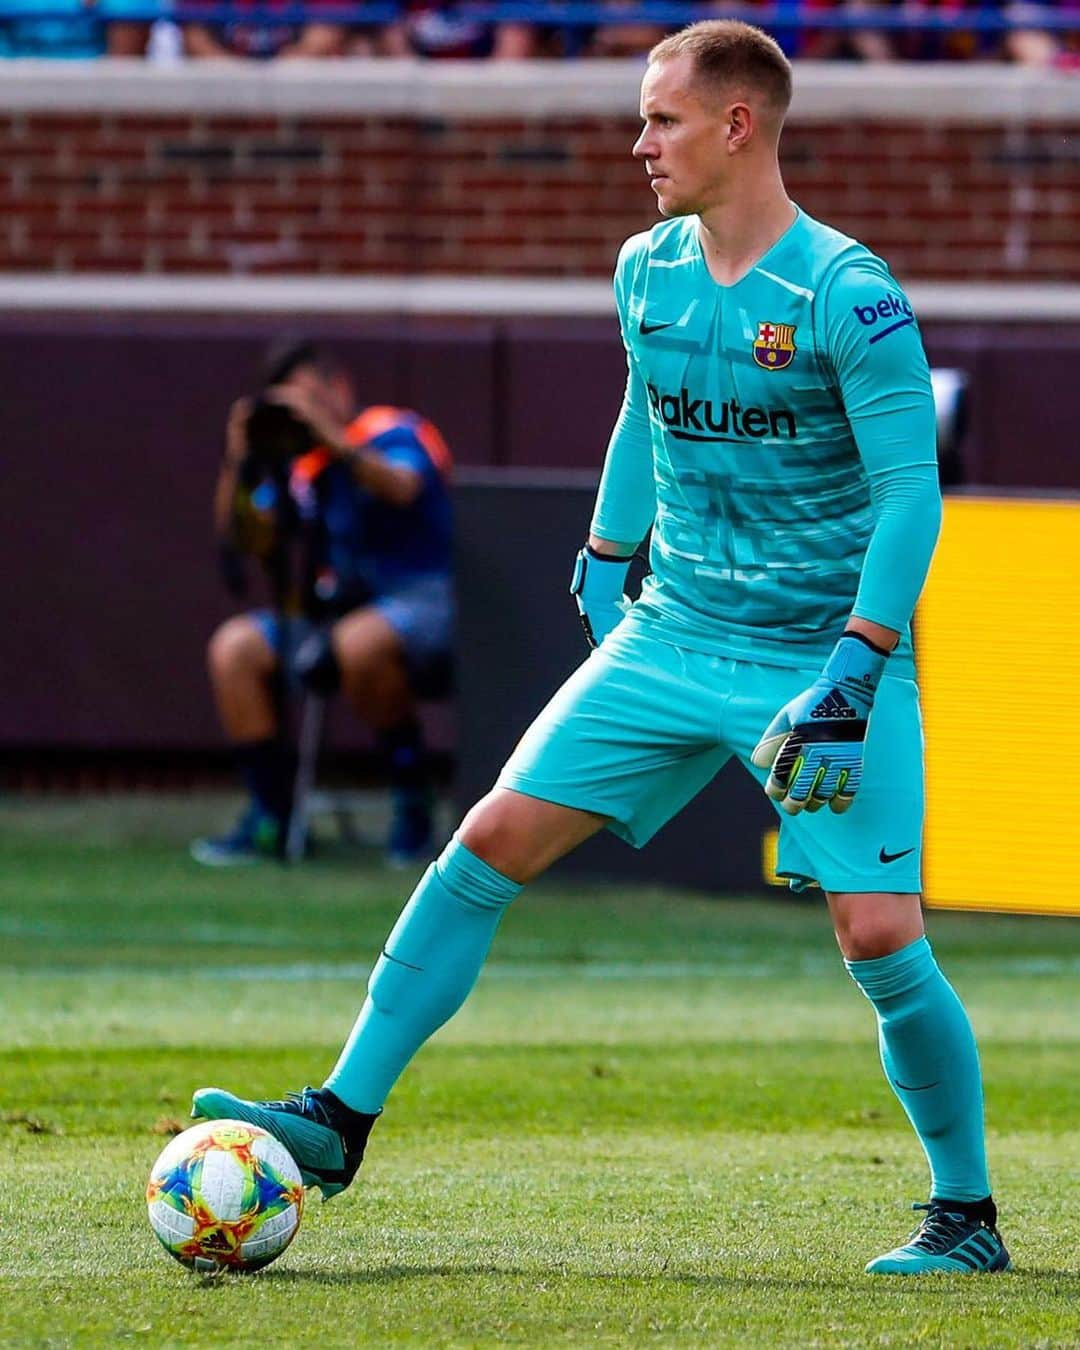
(777, 434)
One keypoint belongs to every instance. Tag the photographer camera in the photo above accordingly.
(350, 516)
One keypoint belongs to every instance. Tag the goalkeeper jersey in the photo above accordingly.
(762, 426)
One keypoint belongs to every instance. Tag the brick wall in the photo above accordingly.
(139, 192)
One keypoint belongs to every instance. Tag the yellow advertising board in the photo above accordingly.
(997, 645)
(997, 637)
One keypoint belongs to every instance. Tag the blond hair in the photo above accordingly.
(732, 55)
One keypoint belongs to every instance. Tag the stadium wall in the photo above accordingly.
(132, 395)
(113, 431)
(380, 168)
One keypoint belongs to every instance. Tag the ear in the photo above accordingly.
(740, 126)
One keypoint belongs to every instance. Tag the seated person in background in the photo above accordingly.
(627, 34)
(1030, 46)
(1023, 46)
(846, 44)
(261, 38)
(430, 29)
(377, 39)
(73, 30)
(631, 37)
(368, 497)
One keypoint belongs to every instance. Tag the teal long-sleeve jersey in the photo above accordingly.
(779, 437)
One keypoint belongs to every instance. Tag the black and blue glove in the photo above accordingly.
(814, 744)
(597, 585)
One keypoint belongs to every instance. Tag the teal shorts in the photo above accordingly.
(642, 726)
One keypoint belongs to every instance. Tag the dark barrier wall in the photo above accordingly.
(111, 439)
(516, 391)
(520, 638)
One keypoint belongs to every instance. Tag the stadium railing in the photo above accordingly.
(793, 16)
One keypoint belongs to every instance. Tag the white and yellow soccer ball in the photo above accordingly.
(225, 1194)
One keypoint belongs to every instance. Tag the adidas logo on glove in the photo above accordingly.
(833, 705)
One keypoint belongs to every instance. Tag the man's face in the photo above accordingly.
(684, 142)
(332, 392)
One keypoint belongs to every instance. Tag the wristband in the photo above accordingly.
(604, 583)
(856, 666)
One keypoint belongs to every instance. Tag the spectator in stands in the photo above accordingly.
(68, 29)
(634, 37)
(1032, 46)
(1068, 56)
(1024, 46)
(388, 39)
(845, 44)
(359, 506)
(623, 34)
(260, 38)
(430, 29)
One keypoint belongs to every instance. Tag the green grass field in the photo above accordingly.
(659, 1120)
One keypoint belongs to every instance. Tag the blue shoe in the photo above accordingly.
(254, 838)
(411, 831)
(312, 1125)
(948, 1241)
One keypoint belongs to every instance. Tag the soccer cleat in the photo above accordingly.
(312, 1124)
(411, 829)
(948, 1241)
(254, 838)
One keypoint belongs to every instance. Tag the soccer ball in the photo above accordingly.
(225, 1194)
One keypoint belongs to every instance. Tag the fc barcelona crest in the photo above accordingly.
(775, 345)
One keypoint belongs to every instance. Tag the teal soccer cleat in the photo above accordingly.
(962, 1242)
(256, 837)
(325, 1138)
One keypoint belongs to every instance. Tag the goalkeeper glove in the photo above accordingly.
(814, 744)
(597, 586)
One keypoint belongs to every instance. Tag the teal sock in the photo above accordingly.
(929, 1056)
(427, 968)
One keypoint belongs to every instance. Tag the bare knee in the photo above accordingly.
(874, 925)
(238, 648)
(368, 667)
(374, 677)
(491, 831)
(522, 836)
(365, 640)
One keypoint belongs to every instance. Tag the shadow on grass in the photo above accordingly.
(1064, 1281)
(395, 1273)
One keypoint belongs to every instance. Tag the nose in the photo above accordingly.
(644, 148)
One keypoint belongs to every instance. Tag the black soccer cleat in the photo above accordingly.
(325, 1138)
